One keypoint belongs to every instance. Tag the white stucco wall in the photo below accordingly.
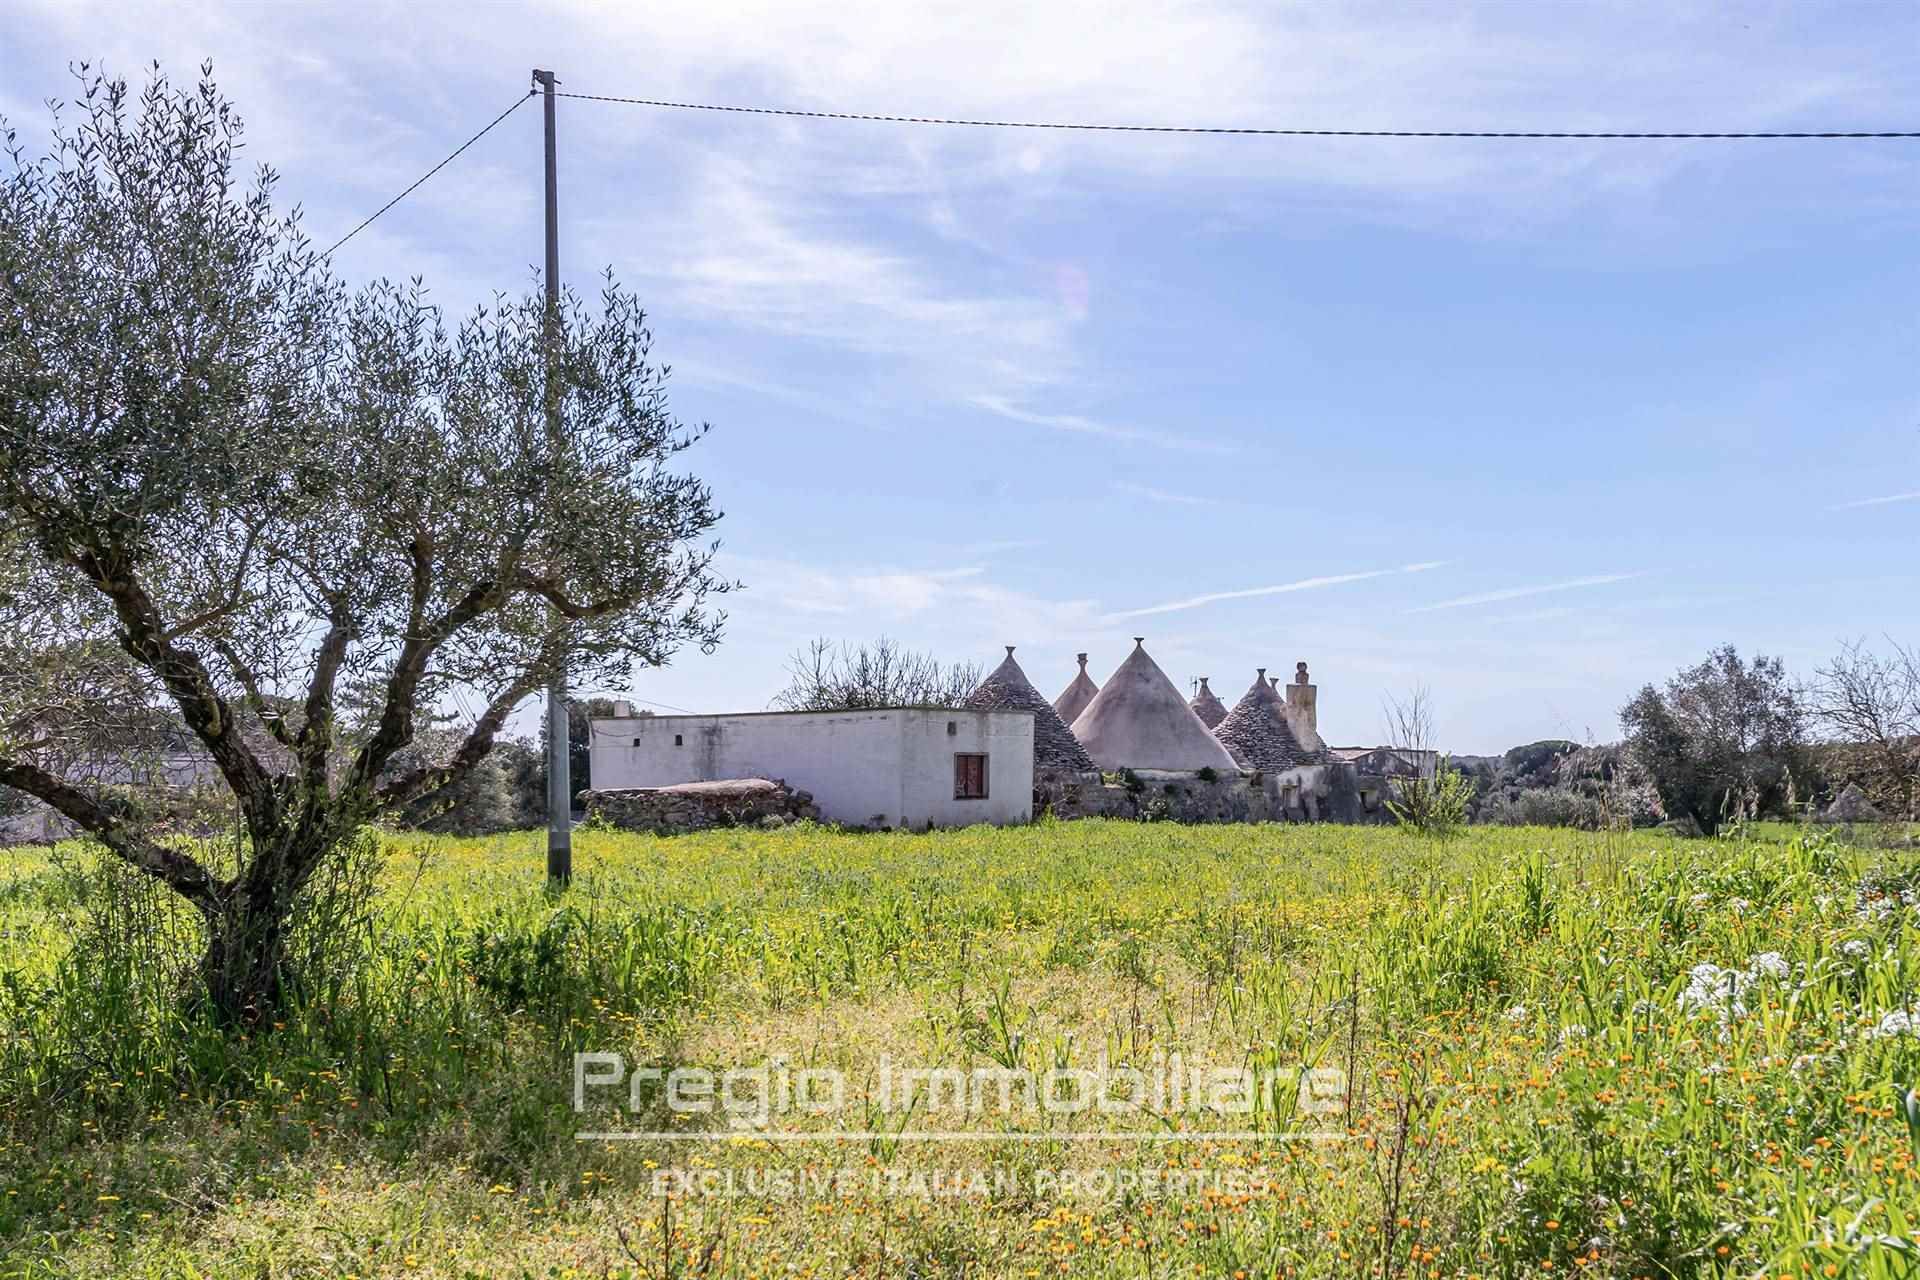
(890, 767)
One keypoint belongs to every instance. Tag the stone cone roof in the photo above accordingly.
(1209, 708)
(1138, 720)
(1074, 698)
(1257, 733)
(1008, 689)
(1852, 805)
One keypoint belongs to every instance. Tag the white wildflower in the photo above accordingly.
(1897, 1023)
(1715, 989)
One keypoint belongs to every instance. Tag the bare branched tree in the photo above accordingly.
(1867, 705)
(829, 677)
(1433, 798)
(230, 490)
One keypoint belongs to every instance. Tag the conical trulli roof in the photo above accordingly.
(1138, 720)
(1257, 733)
(1209, 708)
(1074, 698)
(1008, 689)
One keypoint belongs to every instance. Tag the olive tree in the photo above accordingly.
(233, 489)
(1723, 741)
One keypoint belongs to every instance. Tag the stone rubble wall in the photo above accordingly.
(700, 806)
(34, 823)
(1852, 805)
(1316, 794)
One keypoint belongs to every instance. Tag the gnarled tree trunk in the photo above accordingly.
(244, 970)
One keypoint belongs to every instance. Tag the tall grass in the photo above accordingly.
(1606, 1053)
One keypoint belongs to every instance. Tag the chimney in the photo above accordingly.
(1083, 662)
(622, 709)
(1301, 695)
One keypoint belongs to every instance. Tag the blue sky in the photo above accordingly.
(1527, 423)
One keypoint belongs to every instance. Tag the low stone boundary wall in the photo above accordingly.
(1190, 797)
(698, 806)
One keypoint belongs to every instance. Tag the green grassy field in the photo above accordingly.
(1542, 1075)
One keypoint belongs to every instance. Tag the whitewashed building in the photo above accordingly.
(890, 767)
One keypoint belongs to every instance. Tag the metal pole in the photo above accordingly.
(559, 735)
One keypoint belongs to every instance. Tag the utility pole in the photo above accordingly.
(559, 722)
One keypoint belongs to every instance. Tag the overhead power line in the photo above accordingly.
(454, 154)
(664, 706)
(1672, 135)
(1072, 126)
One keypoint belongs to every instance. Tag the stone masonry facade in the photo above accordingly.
(699, 806)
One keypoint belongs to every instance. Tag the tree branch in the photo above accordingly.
(250, 684)
(395, 729)
(107, 822)
(472, 751)
(235, 596)
(316, 727)
(555, 594)
(186, 679)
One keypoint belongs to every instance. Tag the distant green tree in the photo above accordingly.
(506, 791)
(1723, 740)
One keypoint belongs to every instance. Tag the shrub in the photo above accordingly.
(1435, 806)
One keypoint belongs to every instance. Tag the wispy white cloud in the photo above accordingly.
(1876, 502)
(1074, 423)
(1284, 588)
(879, 592)
(1164, 496)
(962, 598)
(766, 252)
(1517, 593)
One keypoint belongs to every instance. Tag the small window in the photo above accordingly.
(676, 739)
(969, 777)
(636, 742)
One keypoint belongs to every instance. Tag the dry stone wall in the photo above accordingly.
(1227, 796)
(698, 806)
